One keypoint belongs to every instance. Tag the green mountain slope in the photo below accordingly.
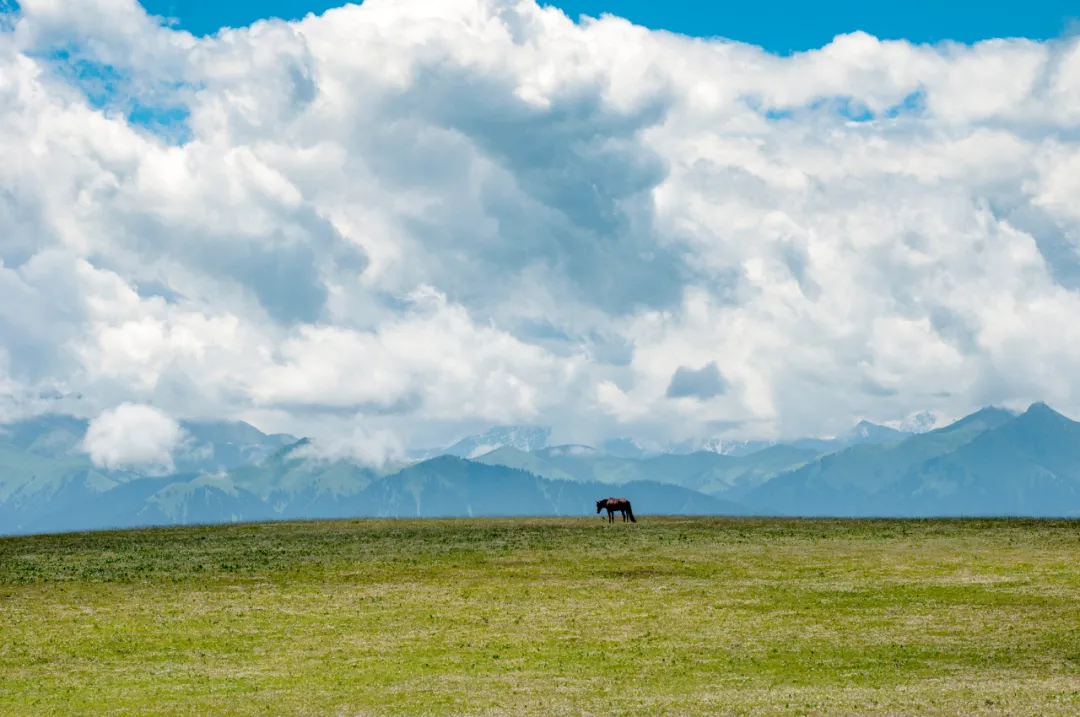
(206, 499)
(49, 435)
(39, 476)
(521, 460)
(1027, 466)
(863, 433)
(450, 486)
(214, 446)
(295, 485)
(862, 480)
(704, 471)
(47, 481)
(588, 464)
(722, 475)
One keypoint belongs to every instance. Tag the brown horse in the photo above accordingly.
(615, 504)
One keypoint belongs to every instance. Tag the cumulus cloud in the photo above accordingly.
(133, 436)
(375, 448)
(404, 218)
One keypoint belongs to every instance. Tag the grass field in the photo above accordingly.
(542, 617)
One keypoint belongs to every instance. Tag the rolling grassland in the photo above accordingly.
(669, 616)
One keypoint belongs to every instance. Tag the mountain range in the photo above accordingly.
(534, 438)
(992, 462)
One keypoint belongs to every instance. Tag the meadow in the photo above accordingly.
(669, 616)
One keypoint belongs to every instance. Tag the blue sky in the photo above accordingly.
(779, 26)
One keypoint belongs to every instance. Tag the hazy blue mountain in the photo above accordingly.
(523, 438)
(533, 439)
(632, 448)
(1029, 466)
(213, 446)
(626, 448)
(586, 463)
(203, 500)
(866, 432)
(209, 445)
(716, 474)
(49, 435)
(992, 462)
(449, 486)
(82, 503)
(115, 507)
(298, 485)
(523, 460)
(725, 447)
(47, 482)
(64, 496)
(863, 433)
(443, 486)
(704, 471)
(746, 472)
(920, 422)
(42, 471)
(866, 479)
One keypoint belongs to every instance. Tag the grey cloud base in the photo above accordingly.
(703, 384)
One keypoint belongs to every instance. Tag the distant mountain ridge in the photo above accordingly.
(523, 438)
(920, 422)
(44, 470)
(535, 438)
(711, 473)
(448, 486)
(992, 462)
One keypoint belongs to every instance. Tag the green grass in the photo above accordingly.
(543, 617)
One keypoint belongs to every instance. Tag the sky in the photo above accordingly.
(782, 26)
(394, 224)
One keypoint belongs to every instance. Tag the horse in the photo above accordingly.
(616, 504)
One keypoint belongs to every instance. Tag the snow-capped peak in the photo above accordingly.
(920, 422)
(523, 438)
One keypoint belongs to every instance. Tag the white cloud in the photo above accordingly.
(433, 358)
(133, 436)
(402, 218)
(374, 448)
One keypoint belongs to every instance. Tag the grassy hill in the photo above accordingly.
(545, 617)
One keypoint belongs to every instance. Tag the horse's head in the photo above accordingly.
(600, 505)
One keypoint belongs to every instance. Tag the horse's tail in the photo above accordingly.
(630, 512)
